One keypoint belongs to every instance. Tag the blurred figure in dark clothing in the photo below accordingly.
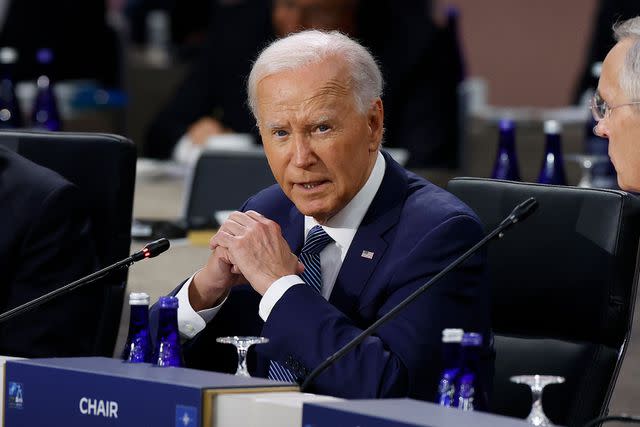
(46, 241)
(418, 66)
(84, 46)
(608, 13)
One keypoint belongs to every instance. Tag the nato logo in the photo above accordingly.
(186, 416)
(15, 395)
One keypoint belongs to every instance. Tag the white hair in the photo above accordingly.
(311, 47)
(630, 73)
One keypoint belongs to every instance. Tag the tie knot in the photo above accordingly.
(317, 239)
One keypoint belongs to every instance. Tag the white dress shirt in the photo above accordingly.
(341, 228)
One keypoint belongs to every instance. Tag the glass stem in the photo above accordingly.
(242, 361)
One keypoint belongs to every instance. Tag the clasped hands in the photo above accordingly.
(248, 248)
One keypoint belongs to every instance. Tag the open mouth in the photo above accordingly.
(311, 185)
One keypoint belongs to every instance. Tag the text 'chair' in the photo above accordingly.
(563, 292)
(103, 167)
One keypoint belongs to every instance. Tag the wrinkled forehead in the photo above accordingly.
(323, 84)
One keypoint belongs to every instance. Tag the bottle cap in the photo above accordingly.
(506, 124)
(552, 126)
(138, 298)
(452, 335)
(168, 302)
(8, 55)
(471, 339)
(44, 56)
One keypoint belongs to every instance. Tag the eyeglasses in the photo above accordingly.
(600, 109)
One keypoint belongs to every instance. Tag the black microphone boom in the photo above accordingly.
(519, 213)
(149, 251)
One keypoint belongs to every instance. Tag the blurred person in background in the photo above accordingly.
(84, 46)
(616, 103)
(45, 243)
(608, 12)
(420, 69)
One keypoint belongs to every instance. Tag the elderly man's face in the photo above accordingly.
(622, 125)
(321, 149)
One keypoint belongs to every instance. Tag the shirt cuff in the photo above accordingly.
(275, 292)
(190, 322)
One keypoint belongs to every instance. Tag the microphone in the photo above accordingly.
(519, 213)
(151, 250)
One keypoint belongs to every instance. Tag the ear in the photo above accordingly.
(375, 123)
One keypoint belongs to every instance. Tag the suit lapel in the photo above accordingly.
(368, 245)
(293, 230)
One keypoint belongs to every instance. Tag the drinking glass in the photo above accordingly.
(586, 163)
(537, 383)
(242, 344)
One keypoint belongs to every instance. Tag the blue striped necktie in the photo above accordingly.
(316, 241)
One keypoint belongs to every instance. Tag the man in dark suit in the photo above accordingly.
(420, 71)
(45, 242)
(374, 233)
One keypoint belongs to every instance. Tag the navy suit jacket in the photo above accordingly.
(414, 229)
(45, 242)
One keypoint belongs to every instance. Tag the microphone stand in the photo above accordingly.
(149, 251)
(519, 213)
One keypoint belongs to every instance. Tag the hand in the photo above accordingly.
(202, 129)
(212, 284)
(256, 248)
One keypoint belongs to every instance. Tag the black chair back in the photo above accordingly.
(223, 181)
(563, 292)
(103, 167)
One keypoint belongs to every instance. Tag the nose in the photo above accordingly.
(600, 130)
(303, 155)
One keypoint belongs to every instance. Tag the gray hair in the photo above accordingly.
(311, 47)
(630, 73)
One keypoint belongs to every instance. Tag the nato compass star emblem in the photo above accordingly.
(186, 416)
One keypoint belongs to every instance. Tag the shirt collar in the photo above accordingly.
(342, 226)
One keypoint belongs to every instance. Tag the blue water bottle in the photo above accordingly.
(138, 348)
(167, 349)
(552, 169)
(470, 393)
(10, 113)
(603, 174)
(451, 339)
(506, 164)
(45, 108)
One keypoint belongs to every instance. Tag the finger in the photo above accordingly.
(222, 238)
(223, 255)
(232, 227)
(299, 267)
(257, 216)
(241, 218)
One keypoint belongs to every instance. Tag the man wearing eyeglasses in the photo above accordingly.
(616, 103)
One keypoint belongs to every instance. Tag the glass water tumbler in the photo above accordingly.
(506, 163)
(138, 348)
(552, 169)
(45, 108)
(167, 349)
(451, 339)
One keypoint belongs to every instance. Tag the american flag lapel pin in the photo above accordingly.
(367, 254)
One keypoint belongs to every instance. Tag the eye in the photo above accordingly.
(280, 133)
(323, 128)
